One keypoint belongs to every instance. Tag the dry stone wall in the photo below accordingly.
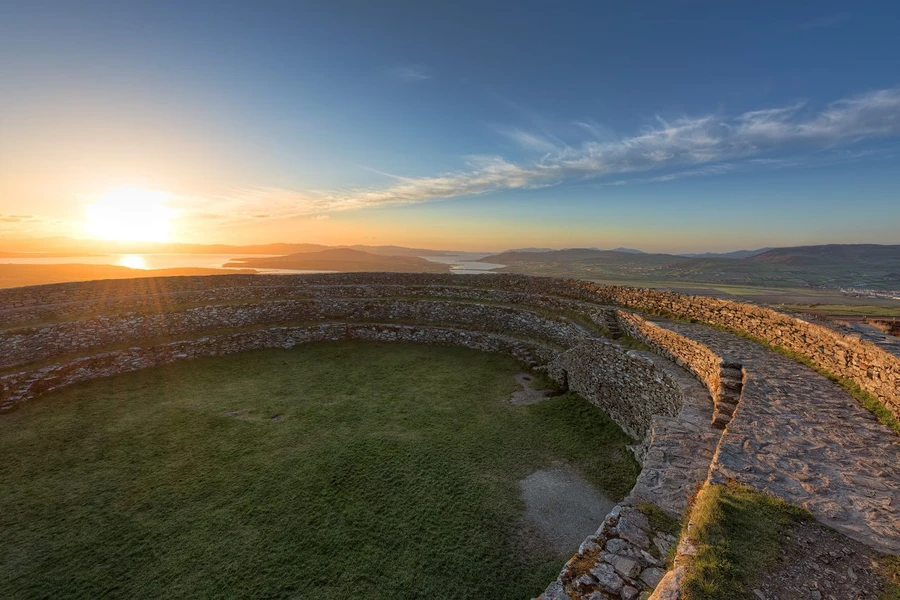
(58, 335)
(872, 368)
(24, 345)
(24, 385)
(96, 297)
(627, 385)
(170, 301)
(724, 377)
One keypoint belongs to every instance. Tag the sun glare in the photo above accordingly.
(130, 215)
(133, 261)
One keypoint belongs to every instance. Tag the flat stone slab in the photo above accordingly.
(562, 506)
(800, 437)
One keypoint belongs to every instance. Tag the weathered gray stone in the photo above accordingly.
(629, 593)
(590, 544)
(652, 576)
(625, 567)
(555, 591)
(607, 579)
(623, 547)
(636, 517)
(649, 559)
(628, 531)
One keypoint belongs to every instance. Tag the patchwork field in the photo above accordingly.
(332, 470)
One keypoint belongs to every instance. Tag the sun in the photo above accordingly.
(130, 215)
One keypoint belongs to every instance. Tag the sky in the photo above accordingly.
(666, 126)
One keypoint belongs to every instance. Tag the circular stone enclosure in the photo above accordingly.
(667, 390)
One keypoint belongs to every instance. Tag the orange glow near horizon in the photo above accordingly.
(133, 261)
(130, 215)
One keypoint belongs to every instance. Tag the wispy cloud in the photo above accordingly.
(408, 73)
(683, 147)
(18, 218)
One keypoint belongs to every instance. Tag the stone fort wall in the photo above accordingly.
(870, 367)
(44, 342)
(62, 334)
(59, 335)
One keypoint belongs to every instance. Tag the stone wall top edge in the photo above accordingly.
(35, 296)
(35, 293)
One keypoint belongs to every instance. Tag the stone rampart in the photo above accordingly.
(105, 294)
(723, 376)
(36, 343)
(625, 384)
(168, 301)
(59, 335)
(872, 368)
(20, 386)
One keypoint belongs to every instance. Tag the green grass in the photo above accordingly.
(892, 578)
(738, 533)
(839, 310)
(659, 520)
(391, 471)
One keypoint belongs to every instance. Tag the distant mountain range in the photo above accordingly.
(868, 266)
(532, 250)
(735, 254)
(342, 259)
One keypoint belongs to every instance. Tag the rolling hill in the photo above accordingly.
(18, 275)
(868, 266)
(344, 260)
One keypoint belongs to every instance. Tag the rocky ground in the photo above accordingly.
(818, 563)
(800, 437)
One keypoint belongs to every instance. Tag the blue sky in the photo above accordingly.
(663, 125)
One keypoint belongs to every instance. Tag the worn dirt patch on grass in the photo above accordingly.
(562, 506)
(527, 393)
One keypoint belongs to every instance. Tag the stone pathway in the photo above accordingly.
(799, 436)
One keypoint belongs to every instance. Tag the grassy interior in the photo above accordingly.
(332, 470)
(738, 533)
